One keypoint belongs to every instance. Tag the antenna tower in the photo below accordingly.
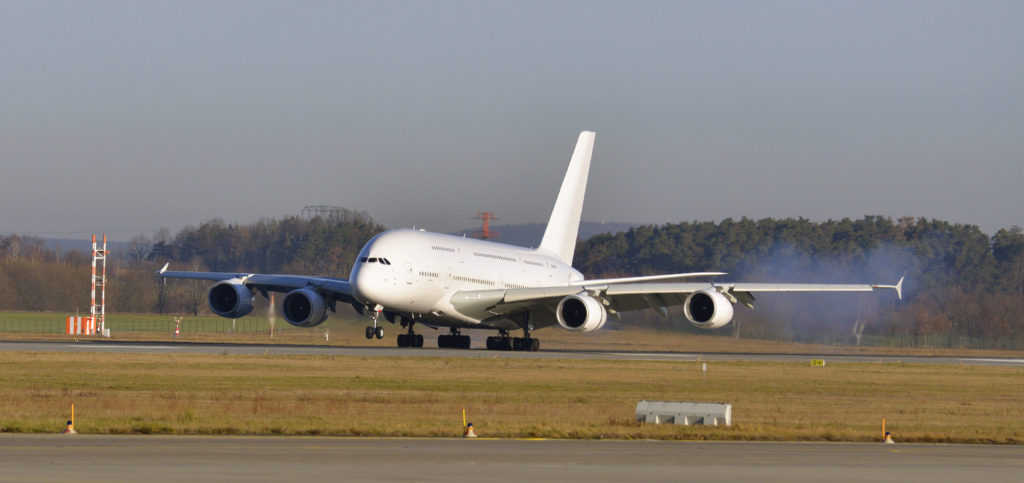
(99, 311)
(485, 232)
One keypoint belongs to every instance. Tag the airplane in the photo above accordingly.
(418, 278)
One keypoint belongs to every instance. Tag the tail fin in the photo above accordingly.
(564, 224)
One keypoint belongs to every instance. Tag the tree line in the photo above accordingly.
(959, 281)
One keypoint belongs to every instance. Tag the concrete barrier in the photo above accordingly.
(687, 413)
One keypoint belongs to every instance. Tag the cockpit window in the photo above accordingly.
(382, 260)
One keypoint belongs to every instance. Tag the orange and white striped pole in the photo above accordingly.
(102, 322)
(92, 290)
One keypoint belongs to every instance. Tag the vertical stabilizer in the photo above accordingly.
(564, 224)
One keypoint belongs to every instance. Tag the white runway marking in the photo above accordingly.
(78, 346)
(1002, 361)
(641, 354)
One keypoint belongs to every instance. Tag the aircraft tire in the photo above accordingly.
(379, 332)
(369, 332)
(419, 340)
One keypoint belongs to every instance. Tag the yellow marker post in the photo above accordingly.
(883, 429)
(70, 429)
(463, 419)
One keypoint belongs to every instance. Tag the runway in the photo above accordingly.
(226, 458)
(286, 349)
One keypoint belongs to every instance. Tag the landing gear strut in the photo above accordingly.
(410, 339)
(375, 331)
(455, 340)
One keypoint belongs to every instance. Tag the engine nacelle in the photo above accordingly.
(708, 309)
(304, 308)
(581, 313)
(230, 299)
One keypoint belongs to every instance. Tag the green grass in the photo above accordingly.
(393, 396)
(348, 331)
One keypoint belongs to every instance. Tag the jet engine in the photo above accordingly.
(708, 309)
(304, 308)
(230, 299)
(581, 313)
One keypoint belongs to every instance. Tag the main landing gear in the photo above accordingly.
(455, 340)
(410, 339)
(505, 343)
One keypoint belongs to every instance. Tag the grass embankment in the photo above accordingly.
(390, 396)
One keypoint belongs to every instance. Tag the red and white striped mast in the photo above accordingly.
(99, 311)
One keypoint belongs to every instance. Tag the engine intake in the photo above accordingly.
(304, 308)
(581, 313)
(708, 309)
(230, 299)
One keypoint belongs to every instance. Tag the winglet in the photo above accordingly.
(898, 288)
(162, 270)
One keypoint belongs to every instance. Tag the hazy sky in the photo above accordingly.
(127, 116)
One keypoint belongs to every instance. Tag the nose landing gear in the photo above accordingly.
(375, 330)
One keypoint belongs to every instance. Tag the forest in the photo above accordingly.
(961, 284)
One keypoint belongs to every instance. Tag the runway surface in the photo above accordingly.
(285, 349)
(197, 458)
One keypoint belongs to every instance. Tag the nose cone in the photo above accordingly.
(369, 279)
(364, 284)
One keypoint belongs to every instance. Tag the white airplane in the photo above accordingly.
(415, 277)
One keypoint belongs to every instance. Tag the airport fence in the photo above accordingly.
(942, 341)
(934, 341)
(33, 323)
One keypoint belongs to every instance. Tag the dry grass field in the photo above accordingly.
(396, 396)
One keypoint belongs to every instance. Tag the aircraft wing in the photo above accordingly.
(628, 295)
(331, 288)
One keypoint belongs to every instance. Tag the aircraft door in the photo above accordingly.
(408, 273)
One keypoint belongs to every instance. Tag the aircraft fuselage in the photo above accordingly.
(415, 273)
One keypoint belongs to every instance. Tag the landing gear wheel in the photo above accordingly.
(410, 340)
(453, 341)
(379, 332)
(369, 332)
